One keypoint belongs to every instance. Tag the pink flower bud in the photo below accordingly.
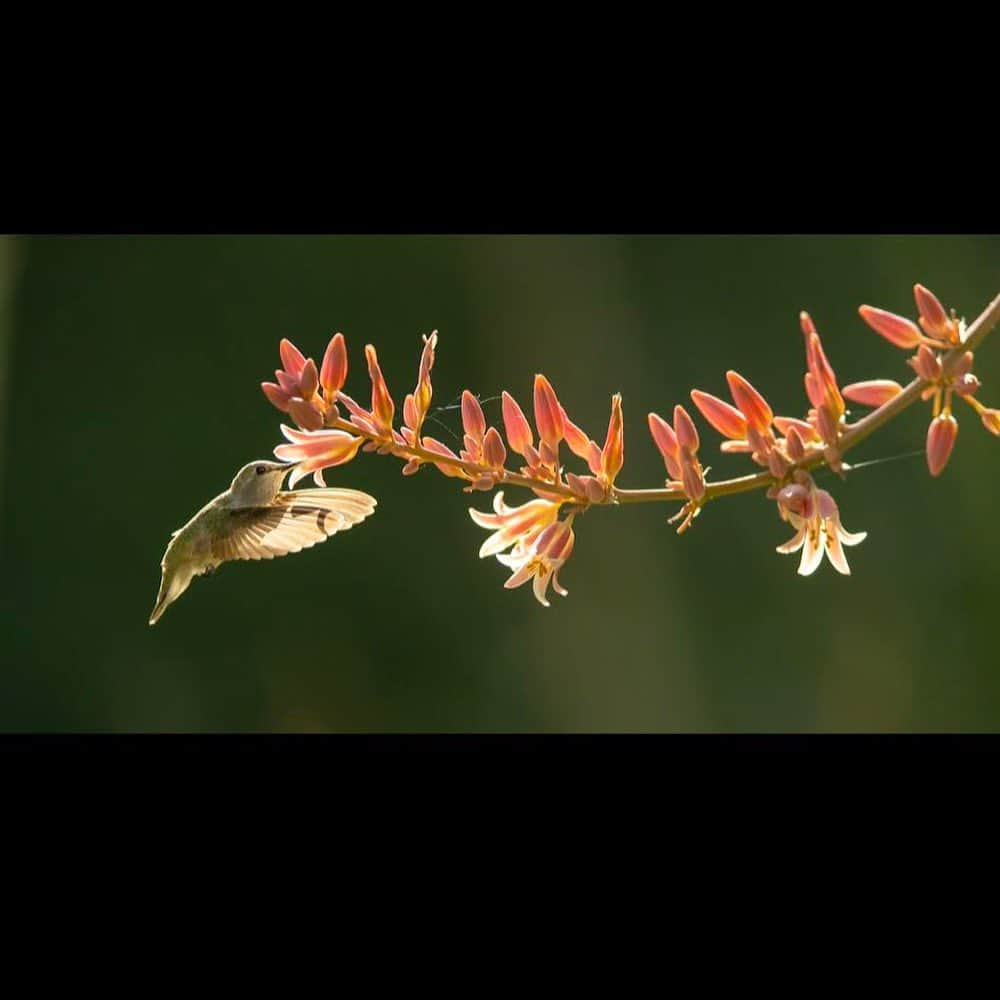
(926, 364)
(473, 419)
(494, 452)
(437, 448)
(806, 430)
(726, 419)
(308, 380)
(814, 391)
(692, 480)
(963, 365)
(752, 404)
(548, 413)
(876, 392)
(576, 438)
(826, 425)
(518, 430)
(825, 374)
(941, 437)
(933, 318)
(684, 428)
(276, 395)
(549, 456)
(794, 445)
(666, 441)
(896, 329)
(333, 372)
(794, 498)
(776, 463)
(967, 385)
(292, 359)
(305, 414)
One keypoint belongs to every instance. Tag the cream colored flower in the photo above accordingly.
(814, 514)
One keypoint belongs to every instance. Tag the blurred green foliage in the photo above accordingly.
(129, 396)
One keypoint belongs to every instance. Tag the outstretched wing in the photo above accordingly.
(295, 521)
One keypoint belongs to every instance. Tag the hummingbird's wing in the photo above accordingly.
(295, 521)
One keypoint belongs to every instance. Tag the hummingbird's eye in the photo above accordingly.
(260, 470)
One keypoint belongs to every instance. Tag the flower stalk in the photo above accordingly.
(536, 539)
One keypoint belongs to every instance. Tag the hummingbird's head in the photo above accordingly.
(258, 483)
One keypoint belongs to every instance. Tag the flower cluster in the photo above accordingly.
(944, 375)
(785, 447)
(535, 540)
(814, 515)
(678, 445)
(539, 542)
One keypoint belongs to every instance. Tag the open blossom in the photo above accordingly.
(540, 544)
(316, 451)
(541, 560)
(937, 329)
(512, 524)
(814, 514)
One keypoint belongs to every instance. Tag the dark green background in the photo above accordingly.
(129, 372)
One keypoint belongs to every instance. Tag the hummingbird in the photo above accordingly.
(255, 519)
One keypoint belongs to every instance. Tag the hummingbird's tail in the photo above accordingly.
(171, 587)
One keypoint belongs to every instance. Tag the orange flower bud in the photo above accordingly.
(305, 414)
(808, 327)
(726, 419)
(933, 318)
(577, 439)
(876, 392)
(333, 371)
(991, 420)
(276, 395)
(437, 448)
(410, 417)
(806, 430)
(692, 479)
(292, 359)
(926, 364)
(896, 329)
(494, 452)
(825, 374)
(752, 404)
(963, 365)
(684, 428)
(519, 435)
(613, 455)
(424, 392)
(794, 445)
(383, 408)
(308, 380)
(548, 413)
(666, 441)
(473, 419)
(941, 435)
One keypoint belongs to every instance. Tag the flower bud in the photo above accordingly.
(941, 435)
(897, 330)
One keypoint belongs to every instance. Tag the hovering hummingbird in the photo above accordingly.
(255, 519)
